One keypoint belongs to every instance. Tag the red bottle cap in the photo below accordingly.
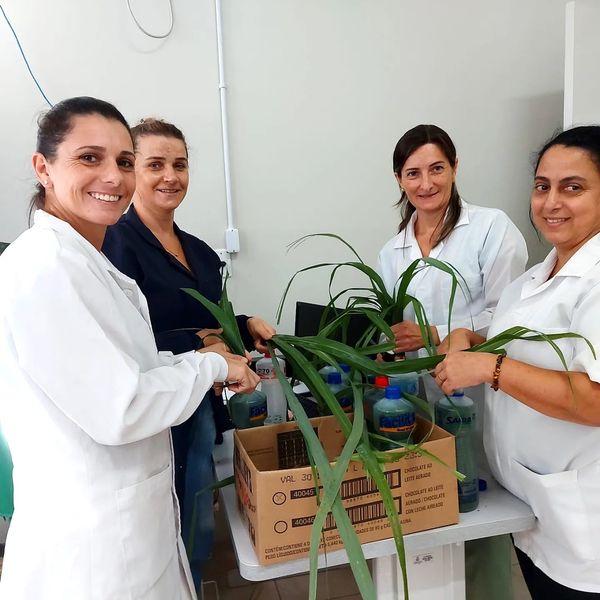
(381, 381)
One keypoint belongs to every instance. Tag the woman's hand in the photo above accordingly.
(240, 379)
(222, 349)
(209, 338)
(464, 369)
(407, 336)
(457, 340)
(260, 331)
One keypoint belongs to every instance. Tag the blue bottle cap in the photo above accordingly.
(393, 392)
(344, 367)
(334, 378)
(482, 485)
(458, 393)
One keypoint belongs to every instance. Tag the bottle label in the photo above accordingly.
(397, 423)
(454, 419)
(266, 373)
(258, 412)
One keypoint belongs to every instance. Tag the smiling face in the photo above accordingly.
(565, 202)
(162, 173)
(427, 178)
(91, 178)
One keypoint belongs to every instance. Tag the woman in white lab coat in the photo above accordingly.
(86, 400)
(489, 252)
(482, 243)
(542, 425)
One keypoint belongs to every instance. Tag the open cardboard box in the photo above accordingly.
(276, 493)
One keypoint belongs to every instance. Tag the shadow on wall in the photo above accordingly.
(538, 118)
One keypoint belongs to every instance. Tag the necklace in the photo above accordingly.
(175, 254)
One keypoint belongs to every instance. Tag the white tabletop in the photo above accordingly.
(498, 512)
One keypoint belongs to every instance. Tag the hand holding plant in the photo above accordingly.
(408, 336)
(464, 369)
(260, 331)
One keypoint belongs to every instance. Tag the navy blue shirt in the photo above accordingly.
(175, 316)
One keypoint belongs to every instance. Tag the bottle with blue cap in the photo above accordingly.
(325, 370)
(334, 381)
(393, 418)
(407, 382)
(457, 415)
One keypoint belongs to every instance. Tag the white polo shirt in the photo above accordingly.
(552, 465)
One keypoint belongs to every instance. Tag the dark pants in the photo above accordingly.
(541, 587)
(193, 444)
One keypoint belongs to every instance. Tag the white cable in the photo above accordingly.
(152, 35)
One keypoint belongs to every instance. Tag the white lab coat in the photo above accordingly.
(488, 251)
(552, 465)
(485, 247)
(86, 402)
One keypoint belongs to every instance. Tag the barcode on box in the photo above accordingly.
(358, 514)
(361, 486)
(364, 513)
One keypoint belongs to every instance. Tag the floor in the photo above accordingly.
(223, 581)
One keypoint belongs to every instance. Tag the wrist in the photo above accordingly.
(496, 368)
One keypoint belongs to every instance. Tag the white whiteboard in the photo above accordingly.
(582, 63)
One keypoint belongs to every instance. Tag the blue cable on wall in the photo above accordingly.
(25, 58)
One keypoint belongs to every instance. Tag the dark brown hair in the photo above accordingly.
(585, 137)
(54, 126)
(152, 126)
(409, 143)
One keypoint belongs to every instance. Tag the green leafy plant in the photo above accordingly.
(225, 315)
(306, 354)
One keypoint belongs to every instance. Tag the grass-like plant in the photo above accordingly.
(306, 354)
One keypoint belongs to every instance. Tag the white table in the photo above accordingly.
(435, 558)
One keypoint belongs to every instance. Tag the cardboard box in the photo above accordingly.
(276, 494)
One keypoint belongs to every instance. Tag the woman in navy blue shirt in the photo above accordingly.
(147, 245)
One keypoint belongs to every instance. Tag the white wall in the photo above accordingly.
(319, 92)
(582, 84)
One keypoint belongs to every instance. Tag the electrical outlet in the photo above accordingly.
(226, 258)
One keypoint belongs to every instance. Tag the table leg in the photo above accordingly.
(434, 574)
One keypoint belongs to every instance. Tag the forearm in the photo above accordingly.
(568, 396)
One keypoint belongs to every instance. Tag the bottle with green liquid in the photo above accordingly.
(393, 418)
(248, 410)
(457, 416)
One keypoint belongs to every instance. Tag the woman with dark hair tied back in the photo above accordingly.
(86, 399)
(148, 246)
(488, 251)
(542, 419)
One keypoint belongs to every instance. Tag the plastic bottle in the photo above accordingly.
(270, 386)
(248, 410)
(457, 416)
(324, 371)
(393, 417)
(407, 382)
(372, 395)
(334, 381)
(345, 372)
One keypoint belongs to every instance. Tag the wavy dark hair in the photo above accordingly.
(410, 142)
(55, 124)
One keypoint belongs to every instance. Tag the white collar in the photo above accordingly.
(44, 219)
(407, 238)
(577, 266)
